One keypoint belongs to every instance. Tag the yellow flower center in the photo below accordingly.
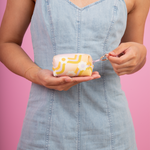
(63, 59)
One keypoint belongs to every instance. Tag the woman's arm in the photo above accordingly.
(134, 56)
(15, 22)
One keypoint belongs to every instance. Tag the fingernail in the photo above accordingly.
(98, 77)
(112, 54)
(68, 80)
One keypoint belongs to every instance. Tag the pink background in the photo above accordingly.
(14, 93)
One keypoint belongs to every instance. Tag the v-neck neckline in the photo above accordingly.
(89, 5)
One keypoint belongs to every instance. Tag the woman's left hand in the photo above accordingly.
(127, 58)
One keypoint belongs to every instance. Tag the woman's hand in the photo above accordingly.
(45, 77)
(127, 58)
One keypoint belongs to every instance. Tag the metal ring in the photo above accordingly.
(104, 58)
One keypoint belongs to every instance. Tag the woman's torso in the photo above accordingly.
(90, 115)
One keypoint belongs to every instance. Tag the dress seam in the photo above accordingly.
(79, 115)
(49, 119)
(104, 81)
(79, 85)
(52, 27)
(52, 93)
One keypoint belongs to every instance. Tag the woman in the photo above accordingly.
(69, 113)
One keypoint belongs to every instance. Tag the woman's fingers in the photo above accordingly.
(61, 87)
(125, 68)
(129, 54)
(67, 88)
(129, 61)
(75, 80)
(82, 79)
(96, 75)
(64, 82)
(120, 49)
(47, 78)
(129, 64)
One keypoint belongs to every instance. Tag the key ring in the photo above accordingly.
(104, 58)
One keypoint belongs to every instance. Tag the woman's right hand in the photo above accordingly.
(45, 77)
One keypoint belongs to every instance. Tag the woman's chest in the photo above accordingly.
(83, 3)
(83, 30)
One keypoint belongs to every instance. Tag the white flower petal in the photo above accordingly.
(63, 60)
(82, 65)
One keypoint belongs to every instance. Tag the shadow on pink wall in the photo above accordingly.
(14, 93)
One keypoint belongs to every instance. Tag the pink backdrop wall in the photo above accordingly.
(14, 93)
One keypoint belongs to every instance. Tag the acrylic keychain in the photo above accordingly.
(103, 58)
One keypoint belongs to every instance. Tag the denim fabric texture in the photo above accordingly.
(93, 115)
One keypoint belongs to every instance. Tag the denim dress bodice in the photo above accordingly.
(92, 115)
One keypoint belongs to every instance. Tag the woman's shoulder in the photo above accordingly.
(137, 4)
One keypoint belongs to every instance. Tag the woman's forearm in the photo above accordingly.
(16, 60)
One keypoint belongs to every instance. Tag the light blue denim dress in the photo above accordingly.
(93, 115)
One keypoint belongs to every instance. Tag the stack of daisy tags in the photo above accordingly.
(72, 65)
